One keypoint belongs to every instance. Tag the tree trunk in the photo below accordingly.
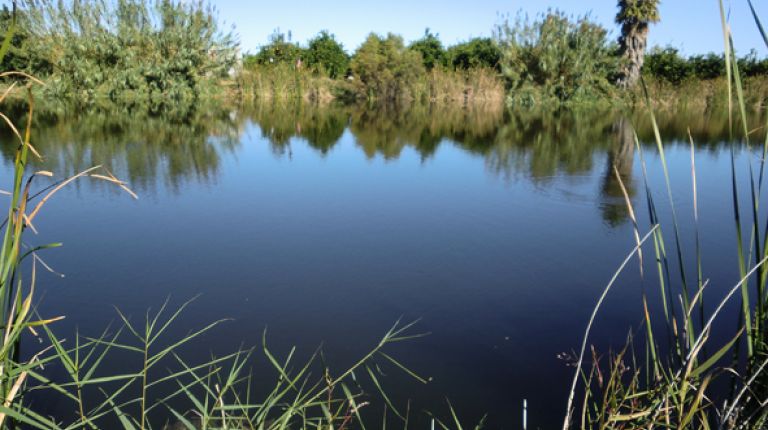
(633, 43)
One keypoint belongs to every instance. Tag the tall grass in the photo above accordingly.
(17, 286)
(476, 86)
(156, 386)
(703, 95)
(677, 378)
(283, 82)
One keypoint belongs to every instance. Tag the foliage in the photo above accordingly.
(556, 59)
(431, 49)
(636, 11)
(19, 56)
(706, 67)
(385, 69)
(162, 57)
(750, 65)
(477, 52)
(327, 55)
(669, 65)
(279, 49)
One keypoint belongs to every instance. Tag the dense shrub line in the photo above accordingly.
(171, 57)
(667, 64)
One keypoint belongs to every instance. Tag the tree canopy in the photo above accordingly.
(636, 11)
(279, 49)
(477, 52)
(385, 68)
(431, 49)
(326, 55)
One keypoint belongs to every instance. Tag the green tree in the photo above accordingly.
(385, 69)
(20, 56)
(668, 65)
(324, 53)
(750, 65)
(477, 52)
(279, 49)
(431, 49)
(708, 66)
(634, 16)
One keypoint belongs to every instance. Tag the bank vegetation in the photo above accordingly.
(170, 58)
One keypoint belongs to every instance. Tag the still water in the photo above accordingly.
(496, 230)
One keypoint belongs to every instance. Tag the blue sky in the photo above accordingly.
(690, 25)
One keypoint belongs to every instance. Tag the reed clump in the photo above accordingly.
(285, 82)
(673, 373)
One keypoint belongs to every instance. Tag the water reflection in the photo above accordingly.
(618, 174)
(370, 241)
(146, 152)
(534, 145)
(279, 123)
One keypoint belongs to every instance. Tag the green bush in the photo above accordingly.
(750, 65)
(162, 57)
(668, 65)
(708, 66)
(280, 49)
(19, 56)
(384, 69)
(326, 55)
(479, 52)
(556, 59)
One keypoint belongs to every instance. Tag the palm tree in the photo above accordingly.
(634, 17)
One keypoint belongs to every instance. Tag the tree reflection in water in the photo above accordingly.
(536, 145)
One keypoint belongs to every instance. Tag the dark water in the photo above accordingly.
(498, 231)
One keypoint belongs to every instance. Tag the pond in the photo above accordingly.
(496, 230)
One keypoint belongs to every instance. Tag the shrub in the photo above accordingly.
(280, 49)
(708, 66)
(556, 58)
(477, 52)
(162, 56)
(326, 55)
(20, 56)
(385, 69)
(750, 65)
(668, 65)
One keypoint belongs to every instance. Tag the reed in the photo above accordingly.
(676, 378)
(284, 82)
(19, 261)
(159, 386)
